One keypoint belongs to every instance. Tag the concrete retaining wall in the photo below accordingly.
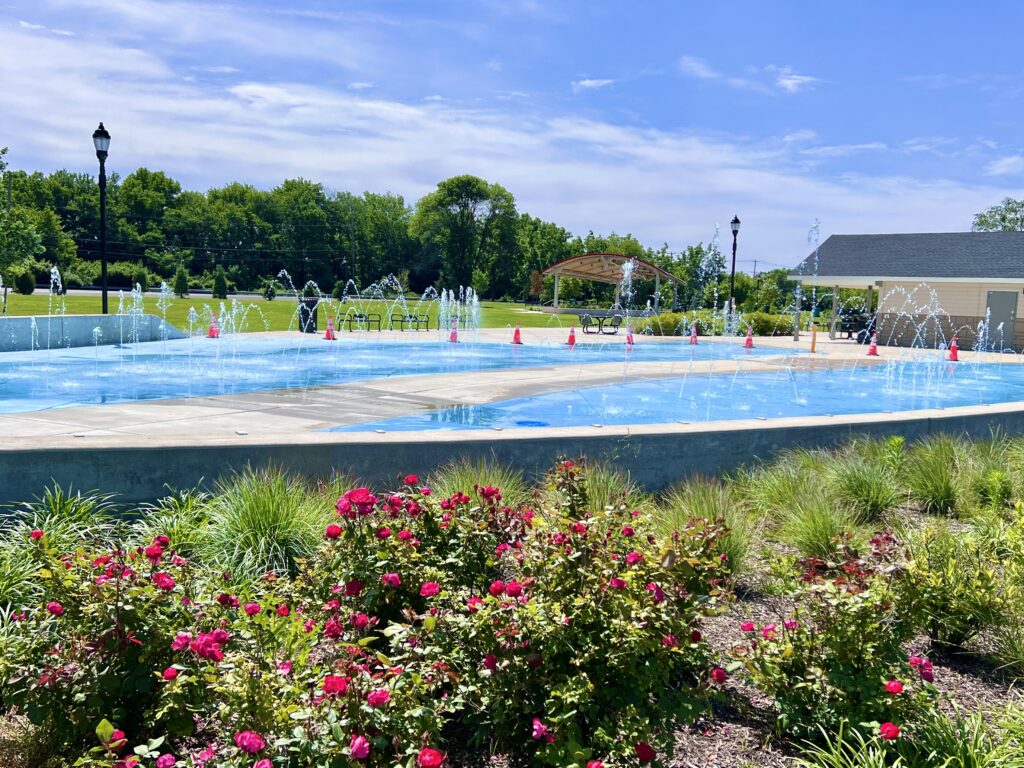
(655, 456)
(18, 334)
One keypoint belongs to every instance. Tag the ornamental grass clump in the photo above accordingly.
(465, 474)
(712, 502)
(864, 488)
(260, 521)
(931, 474)
(815, 527)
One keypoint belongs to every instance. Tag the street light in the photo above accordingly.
(735, 224)
(101, 140)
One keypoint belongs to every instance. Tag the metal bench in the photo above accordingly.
(415, 322)
(367, 320)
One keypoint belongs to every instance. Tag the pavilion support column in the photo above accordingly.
(870, 300)
(835, 312)
(556, 291)
(618, 295)
(657, 292)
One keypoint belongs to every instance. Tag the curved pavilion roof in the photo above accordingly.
(607, 268)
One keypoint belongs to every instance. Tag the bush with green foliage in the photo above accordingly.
(839, 659)
(140, 277)
(220, 283)
(952, 585)
(180, 285)
(711, 502)
(931, 474)
(25, 282)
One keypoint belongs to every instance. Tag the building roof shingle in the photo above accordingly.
(969, 255)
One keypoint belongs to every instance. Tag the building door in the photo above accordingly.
(1002, 310)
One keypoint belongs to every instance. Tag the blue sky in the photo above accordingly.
(658, 118)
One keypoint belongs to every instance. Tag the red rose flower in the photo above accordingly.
(378, 697)
(153, 553)
(163, 581)
(627, 531)
(474, 603)
(497, 588)
(162, 540)
(718, 674)
(335, 685)
(539, 729)
(55, 608)
(412, 479)
(390, 580)
(644, 752)
(430, 758)
(889, 731)
(249, 742)
(359, 620)
(171, 673)
(383, 533)
(490, 662)
(36, 535)
(353, 588)
(332, 531)
(283, 610)
(429, 589)
(747, 626)
(894, 687)
(359, 747)
(513, 589)
(251, 609)
(696, 636)
(616, 583)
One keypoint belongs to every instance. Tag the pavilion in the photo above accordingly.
(608, 268)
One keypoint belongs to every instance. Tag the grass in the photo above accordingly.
(710, 500)
(817, 528)
(930, 470)
(279, 315)
(262, 521)
(462, 475)
(867, 490)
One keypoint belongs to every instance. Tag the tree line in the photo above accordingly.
(467, 232)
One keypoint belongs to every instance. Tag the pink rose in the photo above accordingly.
(627, 531)
(747, 626)
(513, 589)
(497, 588)
(181, 641)
(539, 729)
(163, 581)
(718, 674)
(153, 553)
(616, 583)
(412, 479)
(429, 589)
(283, 611)
(166, 761)
(285, 667)
(474, 603)
(359, 747)
(429, 758)
(55, 608)
(769, 632)
(894, 687)
(251, 609)
(378, 697)
(383, 533)
(390, 580)
(633, 558)
(335, 685)
(332, 531)
(171, 673)
(359, 620)
(36, 535)
(889, 731)
(791, 624)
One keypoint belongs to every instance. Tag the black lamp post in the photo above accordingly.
(735, 224)
(101, 140)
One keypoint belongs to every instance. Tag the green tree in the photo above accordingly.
(470, 224)
(1008, 216)
(20, 243)
(181, 281)
(220, 283)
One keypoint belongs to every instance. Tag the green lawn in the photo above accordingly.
(279, 314)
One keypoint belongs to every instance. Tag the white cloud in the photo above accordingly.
(359, 86)
(926, 143)
(28, 25)
(694, 67)
(434, 97)
(494, 66)
(584, 174)
(804, 134)
(842, 150)
(589, 84)
(790, 81)
(220, 70)
(1005, 166)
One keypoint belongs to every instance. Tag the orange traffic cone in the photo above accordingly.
(749, 341)
(516, 336)
(954, 351)
(873, 349)
(629, 337)
(572, 336)
(693, 334)
(214, 331)
(329, 333)
(453, 337)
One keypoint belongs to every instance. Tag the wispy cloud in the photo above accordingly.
(804, 134)
(29, 25)
(1005, 166)
(359, 85)
(789, 80)
(843, 150)
(764, 80)
(44, 28)
(589, 84)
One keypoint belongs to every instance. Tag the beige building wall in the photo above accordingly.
(956, 299)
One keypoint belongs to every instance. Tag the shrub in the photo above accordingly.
(220, 283)
(25, 283)
(711, 502)
(261, 521)
(951, 585)
(816, 528)
(269, 291)
(765, 324)
(338, 293)
(180, 281)
(832, 661)
(865, 488)
(140, 277)
(930, 471)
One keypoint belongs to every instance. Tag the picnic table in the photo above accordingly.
(589, 319)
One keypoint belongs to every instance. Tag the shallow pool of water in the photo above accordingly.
(199, 367)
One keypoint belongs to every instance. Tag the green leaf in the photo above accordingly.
(104, 731)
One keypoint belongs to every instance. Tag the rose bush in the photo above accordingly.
(839, 658)
(561, 634)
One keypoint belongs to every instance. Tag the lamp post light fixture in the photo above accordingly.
(735, 224)
(101, 140)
